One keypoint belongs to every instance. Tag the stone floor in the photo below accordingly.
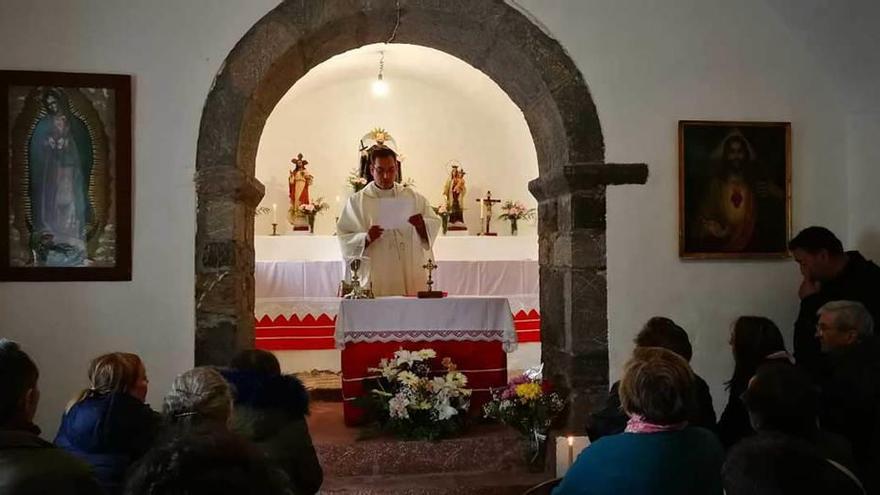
(485, 461)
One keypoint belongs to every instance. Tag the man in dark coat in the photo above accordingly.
(850, 391)
(657, 332)
(830, 274)
(30, 465)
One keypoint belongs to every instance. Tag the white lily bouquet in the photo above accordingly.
(416, 399)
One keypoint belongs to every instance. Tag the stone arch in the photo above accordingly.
(494, 37)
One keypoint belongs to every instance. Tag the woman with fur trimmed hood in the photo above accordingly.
(270, 411)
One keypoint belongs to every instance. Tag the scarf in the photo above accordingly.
(638, 424)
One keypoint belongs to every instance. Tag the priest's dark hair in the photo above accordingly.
(382, 152)
(815, 239)
(18, 374)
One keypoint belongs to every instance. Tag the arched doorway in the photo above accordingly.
(492, 36)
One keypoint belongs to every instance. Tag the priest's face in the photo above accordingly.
(384, 170)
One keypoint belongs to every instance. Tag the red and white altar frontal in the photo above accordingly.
(296, 281)
(475, 332)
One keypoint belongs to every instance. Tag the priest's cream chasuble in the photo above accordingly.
(395, 259)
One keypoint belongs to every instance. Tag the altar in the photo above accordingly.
(475, 332)
(297, 276)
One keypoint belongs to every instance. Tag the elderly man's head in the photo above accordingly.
(842, 324)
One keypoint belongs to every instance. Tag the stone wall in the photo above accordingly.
(530, 66)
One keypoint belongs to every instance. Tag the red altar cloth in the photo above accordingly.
(484, 364)
(310, 332)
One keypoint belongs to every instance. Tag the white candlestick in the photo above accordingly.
(274, 213)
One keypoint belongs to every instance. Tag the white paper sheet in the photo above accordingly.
(394, 213)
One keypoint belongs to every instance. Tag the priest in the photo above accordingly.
(395, 253)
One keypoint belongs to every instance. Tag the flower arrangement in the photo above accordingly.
(414, 401)
(311, 210)
(355, 181)
(514, 211)
(529, 405)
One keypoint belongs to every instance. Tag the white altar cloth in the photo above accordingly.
(407, 319)
(326, 248)
(309, 287)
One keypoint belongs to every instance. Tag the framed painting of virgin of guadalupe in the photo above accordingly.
(734, 189)
(66, 182)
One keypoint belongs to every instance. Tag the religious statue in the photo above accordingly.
(377, 138)
(454, 191)
(486, 213)
(298, 189)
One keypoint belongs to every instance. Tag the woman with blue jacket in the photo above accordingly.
(108, 425)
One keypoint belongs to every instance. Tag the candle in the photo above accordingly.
(481, 209)
(570, 451)
(274, 213)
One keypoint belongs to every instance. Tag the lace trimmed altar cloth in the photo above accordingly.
(406, 319)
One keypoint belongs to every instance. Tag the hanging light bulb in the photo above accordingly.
(380, 87)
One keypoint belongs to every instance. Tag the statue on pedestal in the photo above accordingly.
(377, 138)
(454, 191)
(299, 182)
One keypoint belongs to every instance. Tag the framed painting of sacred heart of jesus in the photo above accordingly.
(66, 183)
(734, 189)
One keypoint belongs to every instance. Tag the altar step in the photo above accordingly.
(464, 483)
(486, 460)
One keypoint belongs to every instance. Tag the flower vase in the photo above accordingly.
(513, 228)
(311, 224)
(445, 223)
(534, 447)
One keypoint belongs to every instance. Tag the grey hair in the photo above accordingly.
(200, 394)
(850, 315)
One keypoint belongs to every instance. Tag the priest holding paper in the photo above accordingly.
(391, 225)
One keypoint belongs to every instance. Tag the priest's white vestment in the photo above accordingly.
(396, 258)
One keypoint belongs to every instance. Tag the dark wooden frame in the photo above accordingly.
(683, 253)
(121, 85)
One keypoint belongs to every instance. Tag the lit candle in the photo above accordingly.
(274, 213)
(570, 451)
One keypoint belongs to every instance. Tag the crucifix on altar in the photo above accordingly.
(430, 266)
(486, 213)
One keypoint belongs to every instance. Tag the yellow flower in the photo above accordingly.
(528, 391)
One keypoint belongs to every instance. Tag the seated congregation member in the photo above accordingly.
(199, 399)
(30, 465)
(108, 425)
(781, 399)
(659, 453)
(205, 461)
(754, 340)
(850, 392)
(779, 464)
(270, 411)
(657, 332)
(830, 274)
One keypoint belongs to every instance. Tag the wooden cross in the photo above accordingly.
(430, 266)
(299, 162)
(486, 212)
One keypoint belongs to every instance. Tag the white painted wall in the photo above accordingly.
(863, 160)
(439, 109)
(173, 49)
(648, 65)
